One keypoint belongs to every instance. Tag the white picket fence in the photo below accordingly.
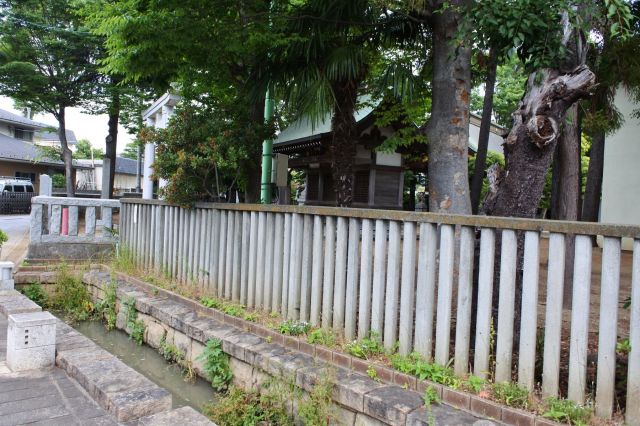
(396, 274)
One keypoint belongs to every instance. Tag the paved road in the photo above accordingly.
(17, 228)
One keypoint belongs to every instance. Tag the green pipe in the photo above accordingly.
(267, 154)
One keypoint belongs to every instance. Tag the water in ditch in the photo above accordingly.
(148, 362)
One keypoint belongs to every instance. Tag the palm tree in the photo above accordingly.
(322, 68)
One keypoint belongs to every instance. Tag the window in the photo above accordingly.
(18, 188)
(8, 188)
(23, 134)
(361, 187)
(25, 175)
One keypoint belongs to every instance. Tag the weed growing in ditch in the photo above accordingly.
(244, 408)
(135, 326)
(565, 411)
(125, 261)
(511, 394)
(322, 336)
(293, 328)
(106, 307)
(71, 296)
(372, 373)
(36, 293)
(431, 396)
(216, 365)
(365, 348)
(172, 354)
(316, 408)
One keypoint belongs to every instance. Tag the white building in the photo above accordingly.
(621, 176)
(125, 177)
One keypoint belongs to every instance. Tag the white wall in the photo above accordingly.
(495, 141)
(621, 180)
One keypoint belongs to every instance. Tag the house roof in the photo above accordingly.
(305, 130)
(14, 119)
(52, 136)
(16, 150)
(124, 166)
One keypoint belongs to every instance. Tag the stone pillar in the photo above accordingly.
(31, 341)
(161, 123)
(6, 275)
(106, 170)
(46, 185)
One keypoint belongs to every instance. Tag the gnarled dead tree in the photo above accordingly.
(530, 145)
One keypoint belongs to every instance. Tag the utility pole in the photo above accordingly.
(267, 154)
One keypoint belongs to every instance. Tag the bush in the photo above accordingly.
(36, 293)
(71, 296)
(216, 365)
(240, 408)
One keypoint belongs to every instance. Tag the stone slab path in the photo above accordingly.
(44, 397)
(17, 229)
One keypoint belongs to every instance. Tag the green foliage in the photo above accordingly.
(135, 326)
(107, 306)
(85, 150)
(372, 373)
(124, 261)
(216, 365)
(210, 302)
(431, 396)
(170, 352)
(49, 58)
(473, 383)
(130, 150)
(57, 180)
(509, 89)
(248, 408)
(293, 327)
(71, 296)
(565, 411)
(3, 238)
(415, 364)
(623, 346)
(365, 348)
(316, 409)
(511, 394)
(36, 293)
(322, 336)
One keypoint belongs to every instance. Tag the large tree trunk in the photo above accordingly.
(593, 190)
(111, 143)
(67, 157)
(343, 143)
(252, 166)
(568, 194)
(532, 141)
(483, 137)
(447, 131)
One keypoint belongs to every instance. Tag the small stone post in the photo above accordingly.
(6, 275)
(31, 341)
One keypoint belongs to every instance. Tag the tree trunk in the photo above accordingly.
(532, 141)
(593, 190)
(66, 153)
(252, 166)
(568, 194)
(483, 137)
(111, 143)
(343, 143)
(447, 131)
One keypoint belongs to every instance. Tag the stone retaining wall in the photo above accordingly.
(358, 400)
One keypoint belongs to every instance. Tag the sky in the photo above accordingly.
(86, 126)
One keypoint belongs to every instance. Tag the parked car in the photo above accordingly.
(15, 194)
